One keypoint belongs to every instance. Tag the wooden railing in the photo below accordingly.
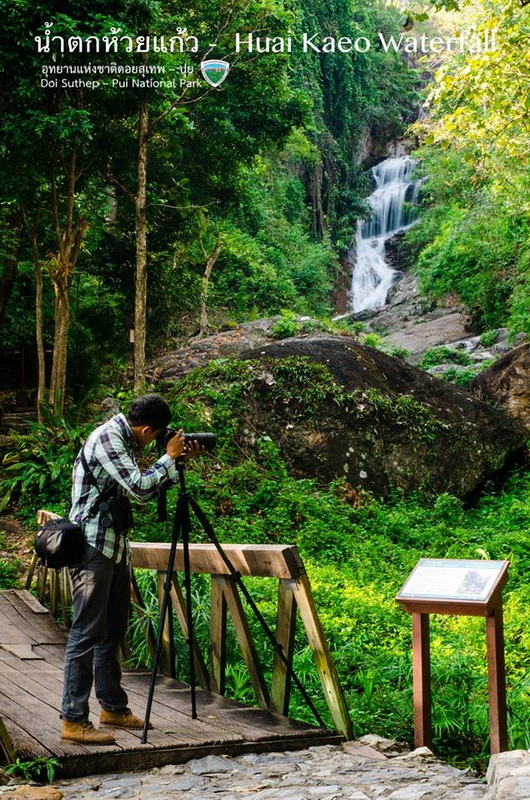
(280, 562)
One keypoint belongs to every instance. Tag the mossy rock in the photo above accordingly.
(339, 409)
(382, 423)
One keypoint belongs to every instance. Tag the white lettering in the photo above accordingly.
(308, 43)
(362, 44)
(391, 42)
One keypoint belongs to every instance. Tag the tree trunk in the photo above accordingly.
(205, 284)
(69, 240)
(60, 343)
(39, 324)
(9, 274)
(140, 305)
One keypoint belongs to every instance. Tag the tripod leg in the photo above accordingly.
(278, 649)
(163, 613)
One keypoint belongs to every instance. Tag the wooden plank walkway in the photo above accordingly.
(31, 661)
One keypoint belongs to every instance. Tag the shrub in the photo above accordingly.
(489, 337)
(38, 465)
(444, 355)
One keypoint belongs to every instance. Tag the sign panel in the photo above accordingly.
(452, 579)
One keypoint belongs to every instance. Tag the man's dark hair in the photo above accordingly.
(150, 409)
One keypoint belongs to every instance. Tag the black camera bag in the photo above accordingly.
(59, 543)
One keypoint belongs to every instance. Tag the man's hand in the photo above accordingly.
(176, 445)
(193, 449)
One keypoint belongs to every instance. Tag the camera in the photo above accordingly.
(206, 440)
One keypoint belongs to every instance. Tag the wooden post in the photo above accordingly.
(285, 632)
(42, 578)
(54, 591)
(324, 662)
(31, 571)
(421, 668)
(217, 636)
(496, 681)
(246, 642)
(65, 594)
(145, 622)
(167, 656)
(6, 745)
(179, 604)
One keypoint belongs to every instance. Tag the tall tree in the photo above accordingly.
(54, 134)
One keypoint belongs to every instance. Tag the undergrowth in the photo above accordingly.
(358, 552)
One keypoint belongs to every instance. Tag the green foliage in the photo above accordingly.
(398, 352)
(284, 328)
(372, 340)
(461, 377)
(40, 768)
(474, 233)
(444, 355)
(37, 468)
(9, 574)
(357, 551)
(489, 337)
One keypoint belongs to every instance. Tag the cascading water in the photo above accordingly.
(372, 276)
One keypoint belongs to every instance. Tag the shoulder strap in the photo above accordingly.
(103, 497)
(87, 469)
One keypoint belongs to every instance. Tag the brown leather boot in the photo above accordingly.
(85, 733)
(121, 719)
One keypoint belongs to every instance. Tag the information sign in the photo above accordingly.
(457, 586)
(452, 579)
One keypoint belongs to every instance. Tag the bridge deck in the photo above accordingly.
(31, 661)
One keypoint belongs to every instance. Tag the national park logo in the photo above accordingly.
(214, 71)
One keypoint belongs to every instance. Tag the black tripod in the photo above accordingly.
(182, 529)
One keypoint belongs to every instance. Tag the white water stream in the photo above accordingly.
(372, 276)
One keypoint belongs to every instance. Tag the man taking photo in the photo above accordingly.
(105, 475)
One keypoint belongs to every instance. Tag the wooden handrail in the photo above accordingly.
(282, 562)
(260, 560)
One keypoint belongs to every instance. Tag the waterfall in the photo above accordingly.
(372, 276)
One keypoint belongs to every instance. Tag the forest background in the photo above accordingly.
(178, 215)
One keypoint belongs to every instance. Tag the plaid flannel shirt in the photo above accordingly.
(108, 451)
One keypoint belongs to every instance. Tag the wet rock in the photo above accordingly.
(108, 408)
(225, 344)
(432, 330)
(378, 742)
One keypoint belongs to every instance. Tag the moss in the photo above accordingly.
(302, 385)
(403, 410)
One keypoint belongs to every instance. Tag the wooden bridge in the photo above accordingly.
(31, 663)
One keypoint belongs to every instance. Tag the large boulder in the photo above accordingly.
(507, 384)
(371, 418)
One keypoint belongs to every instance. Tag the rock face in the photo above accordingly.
(383, 424)
(507, 384)
(226, 344)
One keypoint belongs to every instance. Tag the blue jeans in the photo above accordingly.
(101, 599)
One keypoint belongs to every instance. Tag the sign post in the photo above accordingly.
(463, 587)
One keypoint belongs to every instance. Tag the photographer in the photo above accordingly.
(105, 474)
